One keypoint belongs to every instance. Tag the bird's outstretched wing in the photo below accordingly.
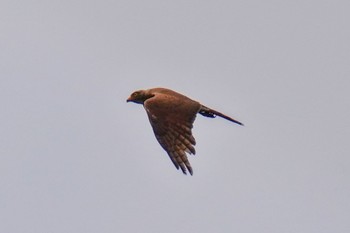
(172, 121)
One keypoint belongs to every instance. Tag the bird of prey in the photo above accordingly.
(171, 115)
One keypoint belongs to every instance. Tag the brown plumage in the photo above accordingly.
(172, 115)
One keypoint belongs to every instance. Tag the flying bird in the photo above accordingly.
(171, 115)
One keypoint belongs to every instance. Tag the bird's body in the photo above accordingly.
(171, 115)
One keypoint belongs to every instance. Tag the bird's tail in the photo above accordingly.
(208, 112)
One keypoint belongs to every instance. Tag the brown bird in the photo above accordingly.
(171, 115)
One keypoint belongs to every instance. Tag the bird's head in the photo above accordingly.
(140, 96)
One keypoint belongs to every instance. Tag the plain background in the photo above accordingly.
(75, 157)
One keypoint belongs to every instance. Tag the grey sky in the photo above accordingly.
(74, 157)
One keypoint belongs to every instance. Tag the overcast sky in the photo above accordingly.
(75, 157)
